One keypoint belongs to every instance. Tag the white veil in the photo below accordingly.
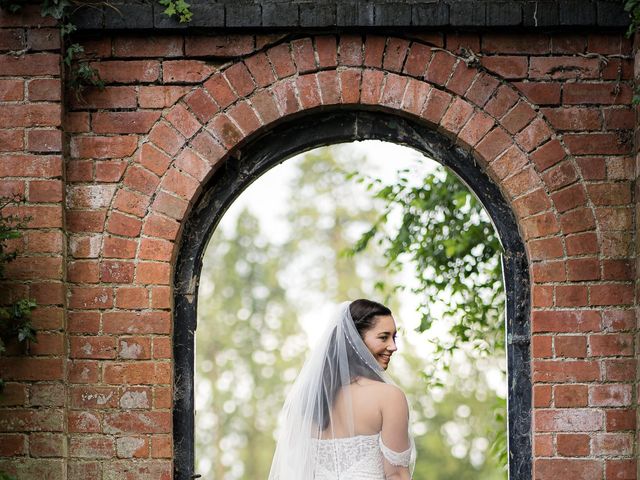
(339, 357)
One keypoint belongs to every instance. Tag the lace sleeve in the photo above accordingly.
(397, 459)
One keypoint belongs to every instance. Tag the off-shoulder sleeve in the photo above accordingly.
(397, 459)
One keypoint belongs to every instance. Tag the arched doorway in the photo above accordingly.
(323, 127)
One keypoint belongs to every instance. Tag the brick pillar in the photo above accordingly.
(32, 420)
(636, 52)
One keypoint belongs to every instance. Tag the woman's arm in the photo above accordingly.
(394, 437)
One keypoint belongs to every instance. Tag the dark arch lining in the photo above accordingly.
(325, 127)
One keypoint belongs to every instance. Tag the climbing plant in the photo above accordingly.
(79, 70)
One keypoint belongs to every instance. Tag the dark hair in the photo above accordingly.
(363, 313)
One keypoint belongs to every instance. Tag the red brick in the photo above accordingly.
(119, 247)
(35, 64)
(12, 39)
(132, 297)
(240, 79)
(518, 117)
(154, 46)
(522, 182)
(13, 444)
(31, 369)
(573, 445)
(513, 160)
(225, 131)
(612, 395)
(265, 106)
(91, 297)
(153, 273)
(567, 396)
(456, 116)
(570, 346)
(11, 90)
(620, 469)
(108, 97)
(327, 51)
(48, 344)
(83, 422)
(83, 272)
(611, 219)
(109, 171)
(578, 220)
(597, 93)
(130, 71)
(612, 344)
(120, 224)
(280, 57)
(202, 105)
(45, 89)
(44, 39)
(568, 420)
(592, 168)
(533, 135)
(596, 143)
(124, 122)
(141, 180)
(610, 193)
(506, 66)
(183, 120)
(542, 296)
(543, 445)
(186, 71)
(569, 198)
(563, 321)
(541, 346)
(134, 348)
(395, 53)
(350, 85)
(162, 227)
(329, 87)
(462, 78)
(541, 225)
(44, 140)
(393, 91)
(155, 96)
(606, 444)
(116, 271)
(309, 93)
(350, 50)
(31, 115)
(160, 297)
(476, 128)
(618, 270)
(573, 118)
(417, 60)
(415, 96)
(560, 176)
(615, 118)
(103, 147)
(138, 422)
(440, 67)
(619, 419)
(542, 395)
(303, 55)
(170, 205)
(604, 43)
(541, 93)
(44, 242)
(548, 154)
(219, 45)
(374, 51)
(96, 347)
(493, 144)
(85, 221)
(284, 93)
(568, 43)
(522, 43)
(84, 322)
(165, 137)
(81, 371)
(505, 97)
(148, 322)
(11, 140)
(91, 447)
(155, 249)
(45, 191)
(137, 373)
(560, 67)
(161, 446)
(435, 106)
(131, 202)
(546, 248)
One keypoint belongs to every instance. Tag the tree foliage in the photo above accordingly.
(448, 241)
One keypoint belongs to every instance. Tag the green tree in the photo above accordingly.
(248, 348)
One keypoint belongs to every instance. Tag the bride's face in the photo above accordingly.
(381, 339)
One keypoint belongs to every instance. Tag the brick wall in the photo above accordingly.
(548, 116)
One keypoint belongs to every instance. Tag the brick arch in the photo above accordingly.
(512, 141)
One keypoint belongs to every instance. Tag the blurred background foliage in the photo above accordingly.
(416, 239)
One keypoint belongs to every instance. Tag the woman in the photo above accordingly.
(344, 419)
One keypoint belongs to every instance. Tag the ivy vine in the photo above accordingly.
(79, 70)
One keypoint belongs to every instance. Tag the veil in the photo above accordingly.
(338, 359)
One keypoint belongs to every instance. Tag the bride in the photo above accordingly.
(344, 418)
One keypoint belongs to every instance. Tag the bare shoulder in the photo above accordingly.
(389, 395)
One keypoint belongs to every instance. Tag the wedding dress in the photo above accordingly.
(360, 457)
(321, 417)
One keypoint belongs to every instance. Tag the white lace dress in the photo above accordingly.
(356, 458)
